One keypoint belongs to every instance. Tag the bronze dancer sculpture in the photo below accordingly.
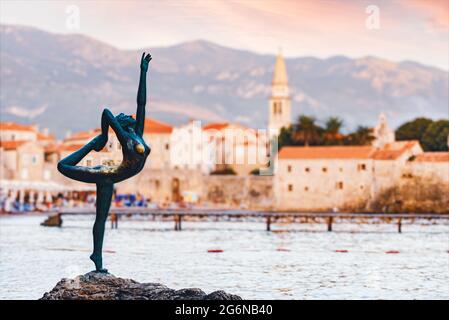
(129, 133)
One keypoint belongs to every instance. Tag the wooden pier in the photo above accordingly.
(269, 217)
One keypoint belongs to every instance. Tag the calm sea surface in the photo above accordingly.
(299, 263)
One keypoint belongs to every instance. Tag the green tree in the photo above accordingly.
(362, 136)
(306, 131)
(285, 137)
(332, 135)
(413, 130)
(435, 138)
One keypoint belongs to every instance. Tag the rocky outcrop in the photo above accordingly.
(52, 221)
(105, 286)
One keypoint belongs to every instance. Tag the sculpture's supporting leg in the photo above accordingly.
(104, 197)
(329, 223)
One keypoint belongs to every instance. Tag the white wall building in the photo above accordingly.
(191, 149)
(238, 147)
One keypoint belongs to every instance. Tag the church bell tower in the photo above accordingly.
(279, 104)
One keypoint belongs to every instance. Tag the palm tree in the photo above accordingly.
(333, 125)
(286, 137)
(332, 130)
(306, 131)
(362, 136)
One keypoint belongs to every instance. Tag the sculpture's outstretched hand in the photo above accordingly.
(145, 61)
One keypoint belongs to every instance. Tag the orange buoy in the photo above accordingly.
(342, 251)
(392, 251)
(214, 250)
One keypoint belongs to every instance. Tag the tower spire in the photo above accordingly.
(280, 71)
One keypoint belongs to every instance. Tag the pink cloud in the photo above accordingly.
(409, 29)
(435, 11)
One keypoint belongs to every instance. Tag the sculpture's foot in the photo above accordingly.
(103, 270)
(98, 263)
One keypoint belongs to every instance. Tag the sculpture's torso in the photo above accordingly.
(135, 153)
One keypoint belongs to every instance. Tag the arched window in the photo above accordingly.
(277, 107)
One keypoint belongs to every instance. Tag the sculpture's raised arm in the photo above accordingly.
(142, 94)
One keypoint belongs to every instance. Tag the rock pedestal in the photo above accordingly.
(105, 286)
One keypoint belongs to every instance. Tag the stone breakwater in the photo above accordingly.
(105, 286)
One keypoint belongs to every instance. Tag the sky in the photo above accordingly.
(397, 30)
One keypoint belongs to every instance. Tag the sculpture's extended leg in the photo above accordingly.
(104, 197)
(68, 165)
(75, 157)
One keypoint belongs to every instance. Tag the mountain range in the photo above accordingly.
(62, 81)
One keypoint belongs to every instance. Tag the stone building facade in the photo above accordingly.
(359, 177)
(225, 191)
(24, 171)
(22, 152)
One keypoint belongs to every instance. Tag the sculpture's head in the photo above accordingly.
(125, 121)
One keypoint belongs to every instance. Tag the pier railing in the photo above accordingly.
(270, 217)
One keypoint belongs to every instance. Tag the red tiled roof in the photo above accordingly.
(154, 126)
(216, 126)
(45, 137)
(225, 125)
(82, 135)
(51, 148)
(16, 126)
(388, 152)
(11, 145)
(392, 151)
(433, 157)
(30, 128)
(151, 126)
(326, 152)
(70, 147)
